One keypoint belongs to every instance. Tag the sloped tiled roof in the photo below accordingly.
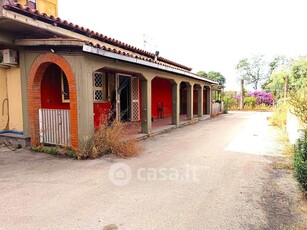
(142, 54)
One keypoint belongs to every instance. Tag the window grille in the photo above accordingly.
(99, 87)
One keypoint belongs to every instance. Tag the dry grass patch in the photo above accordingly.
(111, 138)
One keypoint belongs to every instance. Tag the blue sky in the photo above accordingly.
(204, 34)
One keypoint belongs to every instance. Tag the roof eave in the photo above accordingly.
(49, 42)
(104, 53)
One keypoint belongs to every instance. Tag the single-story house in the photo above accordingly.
(58, 79)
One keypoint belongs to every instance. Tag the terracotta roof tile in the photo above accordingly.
(135, 56)
(16, 7)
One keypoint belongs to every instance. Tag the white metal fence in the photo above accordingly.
(216, 107)
(54, 125)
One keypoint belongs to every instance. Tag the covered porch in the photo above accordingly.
(148, 99)
(154, 103)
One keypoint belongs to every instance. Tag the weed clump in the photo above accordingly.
(110, 138)
(279, 117)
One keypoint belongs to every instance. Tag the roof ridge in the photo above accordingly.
(56, 21)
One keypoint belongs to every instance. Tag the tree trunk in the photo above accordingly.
(286, 87)
(242, 95)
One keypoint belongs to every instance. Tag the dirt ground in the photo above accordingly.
(221, 173)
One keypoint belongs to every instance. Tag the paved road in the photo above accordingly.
(217, 174)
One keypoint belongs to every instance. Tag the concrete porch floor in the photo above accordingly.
(161, 125)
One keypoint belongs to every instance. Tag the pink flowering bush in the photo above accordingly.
(262, 97)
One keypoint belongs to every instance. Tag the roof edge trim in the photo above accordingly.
(104, 53)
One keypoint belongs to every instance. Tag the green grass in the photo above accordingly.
(55, 151)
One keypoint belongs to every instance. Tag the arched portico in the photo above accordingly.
(40, 70)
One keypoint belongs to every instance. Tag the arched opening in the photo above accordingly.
(161, 102)
(195, 99)
(183, 99)
(186, 101)
(206, 102)
(55, 89)
(52, 102)
(198, 102)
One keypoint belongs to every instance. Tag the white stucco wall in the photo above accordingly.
(293, 127)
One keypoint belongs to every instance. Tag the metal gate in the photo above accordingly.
(54, 126)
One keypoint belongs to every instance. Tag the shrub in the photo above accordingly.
(300, 161)
(279, 117)
(262, 97)
(110, 138)
(229, 102)
(298, 100)
(250, 102)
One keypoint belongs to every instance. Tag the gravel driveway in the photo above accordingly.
(217, 174)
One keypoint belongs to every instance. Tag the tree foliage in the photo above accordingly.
(292, 71)
(298, 99)
(254, 70)
(217, 76)
(202, 74)
(212, 75)
(298, 73)
(276, 83)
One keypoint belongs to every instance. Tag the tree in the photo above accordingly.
(290, 76)
(212, 75)
(202, 74)
(217, 76)
(298, 100)
(298, 74)
(277, 81)
(253, 70)
(242, 69)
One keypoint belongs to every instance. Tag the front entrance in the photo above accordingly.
(116, 97)
(124, 91)
(128, 98)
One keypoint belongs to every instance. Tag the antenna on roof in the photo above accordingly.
(156, 55)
